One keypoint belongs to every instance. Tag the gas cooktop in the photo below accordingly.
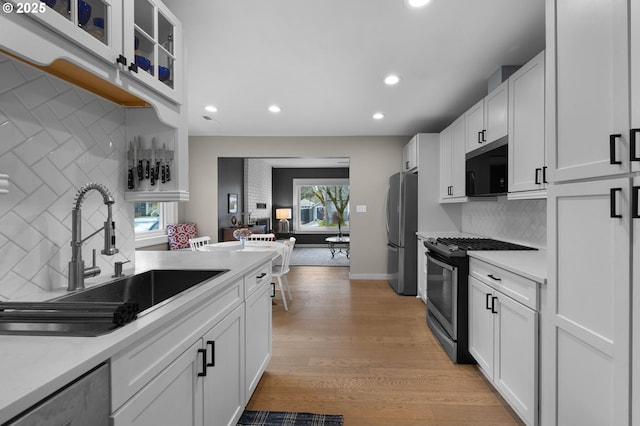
(463, 244)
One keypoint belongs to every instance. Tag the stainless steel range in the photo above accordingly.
(447, 290)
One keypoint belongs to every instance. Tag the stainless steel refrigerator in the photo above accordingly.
(402, 225)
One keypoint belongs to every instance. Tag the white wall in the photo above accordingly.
(372, 161)
(54, 138)
(257, 187)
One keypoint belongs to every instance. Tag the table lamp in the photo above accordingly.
(283, 215)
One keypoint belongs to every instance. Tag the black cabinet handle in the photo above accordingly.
(133, 67)
(273, 289)
(204, 362)
(488, 302)
(537, 180)
(212, 344)
(612, 149)
(261, 275)
(483, 135)
(544, 174)
(493, 305)
(634, 202)
(406, 165)
(634, 151)
(612, 200)
(480, 137)
(121, 60)
(494, 278)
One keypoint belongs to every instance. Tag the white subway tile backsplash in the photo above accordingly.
(35, 147)
(20, 116)
(35, 92)
(55, 138)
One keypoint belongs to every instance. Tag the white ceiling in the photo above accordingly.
(323, 62)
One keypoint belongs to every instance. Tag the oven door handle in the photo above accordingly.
(440, 263)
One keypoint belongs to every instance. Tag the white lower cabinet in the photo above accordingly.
(174, 397)
(223, 378)
(201, 369)
(422, 270)
(258, 336)
(503, 338)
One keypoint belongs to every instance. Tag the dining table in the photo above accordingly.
(278, 248)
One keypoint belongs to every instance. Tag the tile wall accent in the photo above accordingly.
(519, 221)
(257, 187)
(55, 138)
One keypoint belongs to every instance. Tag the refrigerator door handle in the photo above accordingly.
(386, 210)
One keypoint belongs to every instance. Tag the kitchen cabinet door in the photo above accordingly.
(527, 170)
(635, 303)
(635, 88)
(410, 156)
(258, 336)
(588, 324)
(515, 348)
(496, 113)
(92, 25)
(153, 39)
(174, 397)
(589, 46)
(422, 270)
(452, 162)
(475, 127)
(446, 152)
(481, 330)
(224, 384)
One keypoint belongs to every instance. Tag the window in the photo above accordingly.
(321, 205)
(150, 219)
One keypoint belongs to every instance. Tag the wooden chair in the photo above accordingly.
(194, 243)
(280, 271)
(261, 237)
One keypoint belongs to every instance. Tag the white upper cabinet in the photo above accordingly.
(152, 40)
(410, 156)
(452, 163)
(590, 45)
(487, 120)
(95, 25)
(527, 167)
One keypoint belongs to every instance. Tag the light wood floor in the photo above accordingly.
(356, 348)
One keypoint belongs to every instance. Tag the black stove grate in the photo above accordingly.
(481, 244)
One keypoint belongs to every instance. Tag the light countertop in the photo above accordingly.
(531, 264)
(33, 367)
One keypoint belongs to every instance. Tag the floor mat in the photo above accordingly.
(303, 256)
(286, 418)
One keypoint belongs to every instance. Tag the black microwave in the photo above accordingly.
(486, 170)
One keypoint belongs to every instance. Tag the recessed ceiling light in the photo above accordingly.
(391, 79)
(275, 108)
(378, 116)
(211, 108)
(416, 3)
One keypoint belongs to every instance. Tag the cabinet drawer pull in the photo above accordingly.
(612, 149)
(494, 277)
(634, 203)
(493, 305)
(537, 179)
(204, 362)
(212, 344)
(488, 302)
(612, 200)
(634, 151)
(273, 289)
(544, 174)
(262, 275)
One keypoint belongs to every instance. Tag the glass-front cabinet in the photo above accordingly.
(152, 38)
(95, 25)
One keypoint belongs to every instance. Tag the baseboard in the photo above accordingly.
(380, 277)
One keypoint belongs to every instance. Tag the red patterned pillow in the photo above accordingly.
(179, 235)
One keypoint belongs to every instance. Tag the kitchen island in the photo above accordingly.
(34, 367)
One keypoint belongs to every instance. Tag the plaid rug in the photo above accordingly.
(285, 418)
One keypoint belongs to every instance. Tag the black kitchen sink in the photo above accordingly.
(146, 291)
